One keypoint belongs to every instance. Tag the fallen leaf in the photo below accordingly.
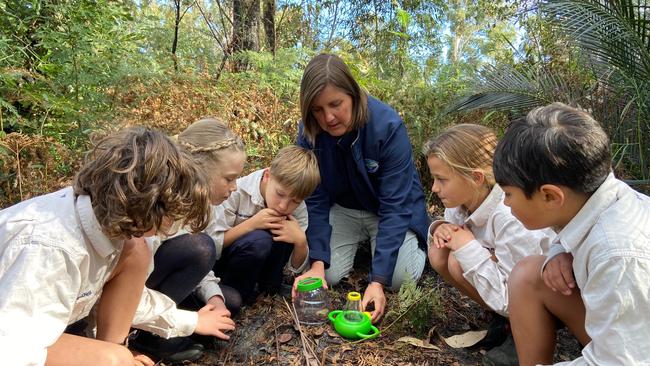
(466, 339)
(418, 343)
(317, 332)
(284, 337)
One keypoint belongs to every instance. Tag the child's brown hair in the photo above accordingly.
(296, 169)
(138, 177)
(466, 148)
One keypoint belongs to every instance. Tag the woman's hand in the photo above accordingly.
(317, 270)
(214, 322)
(374, 294)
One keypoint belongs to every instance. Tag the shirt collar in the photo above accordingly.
(251, 185)
(93, 230)
(484, 211)
(577, 229)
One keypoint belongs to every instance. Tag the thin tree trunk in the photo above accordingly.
(177, 21)
(269, 24)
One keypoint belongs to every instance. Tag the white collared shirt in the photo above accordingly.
(495, 230)
(54, 262)
(243, 204)
(609, 239)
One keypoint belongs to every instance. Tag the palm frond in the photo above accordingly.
(611, 33)
(518, 90)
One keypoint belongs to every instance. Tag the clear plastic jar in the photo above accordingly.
(353, 311)
(311, 301)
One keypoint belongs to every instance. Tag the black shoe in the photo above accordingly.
(497, 332)
(172, 350)
(504, 355)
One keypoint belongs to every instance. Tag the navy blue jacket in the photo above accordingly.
(388, 185)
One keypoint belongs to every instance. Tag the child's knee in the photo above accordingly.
(455, 269)
(438, 259)
(526, 273)
(256, 244)
(114, 355)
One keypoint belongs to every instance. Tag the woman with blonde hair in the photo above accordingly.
(370, 189)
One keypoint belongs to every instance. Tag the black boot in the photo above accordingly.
(172, 350)
(504, 355)
(497, 332)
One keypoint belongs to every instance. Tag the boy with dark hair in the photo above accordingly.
(554, 166)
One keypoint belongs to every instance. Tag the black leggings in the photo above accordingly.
(180, 264)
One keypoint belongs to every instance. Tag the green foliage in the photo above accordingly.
(417, 308)
(609, 74)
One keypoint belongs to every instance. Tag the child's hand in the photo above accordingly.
(459, 238)
(317, 270)
(214, 322)
(375, 294)
(218, 303)
(266, 219)
(289, 232)
(141, 360)
(442, 234)
(558, 273)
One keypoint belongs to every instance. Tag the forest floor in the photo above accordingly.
(267, 335)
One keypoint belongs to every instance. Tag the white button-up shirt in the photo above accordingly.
(243, 204)
(54, 262)
(495, 231)
(609, 239)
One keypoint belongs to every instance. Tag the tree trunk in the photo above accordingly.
(177, 21)
(246, 14)
(269, 24)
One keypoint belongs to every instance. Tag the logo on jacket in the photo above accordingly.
(371, 165)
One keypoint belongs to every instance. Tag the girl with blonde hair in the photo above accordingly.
(479, 241)
(183, 262)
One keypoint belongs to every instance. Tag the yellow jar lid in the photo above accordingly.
(354, 296)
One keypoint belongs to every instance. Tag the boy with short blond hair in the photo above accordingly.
(262, 224)
(555, 167)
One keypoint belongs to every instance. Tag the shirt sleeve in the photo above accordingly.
(616, 318)
(554, 250)
(512, 242)
(158, 314)
(394, 186)
(209, 287)
(38, 290)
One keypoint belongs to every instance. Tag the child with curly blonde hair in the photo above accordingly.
(82, 247)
